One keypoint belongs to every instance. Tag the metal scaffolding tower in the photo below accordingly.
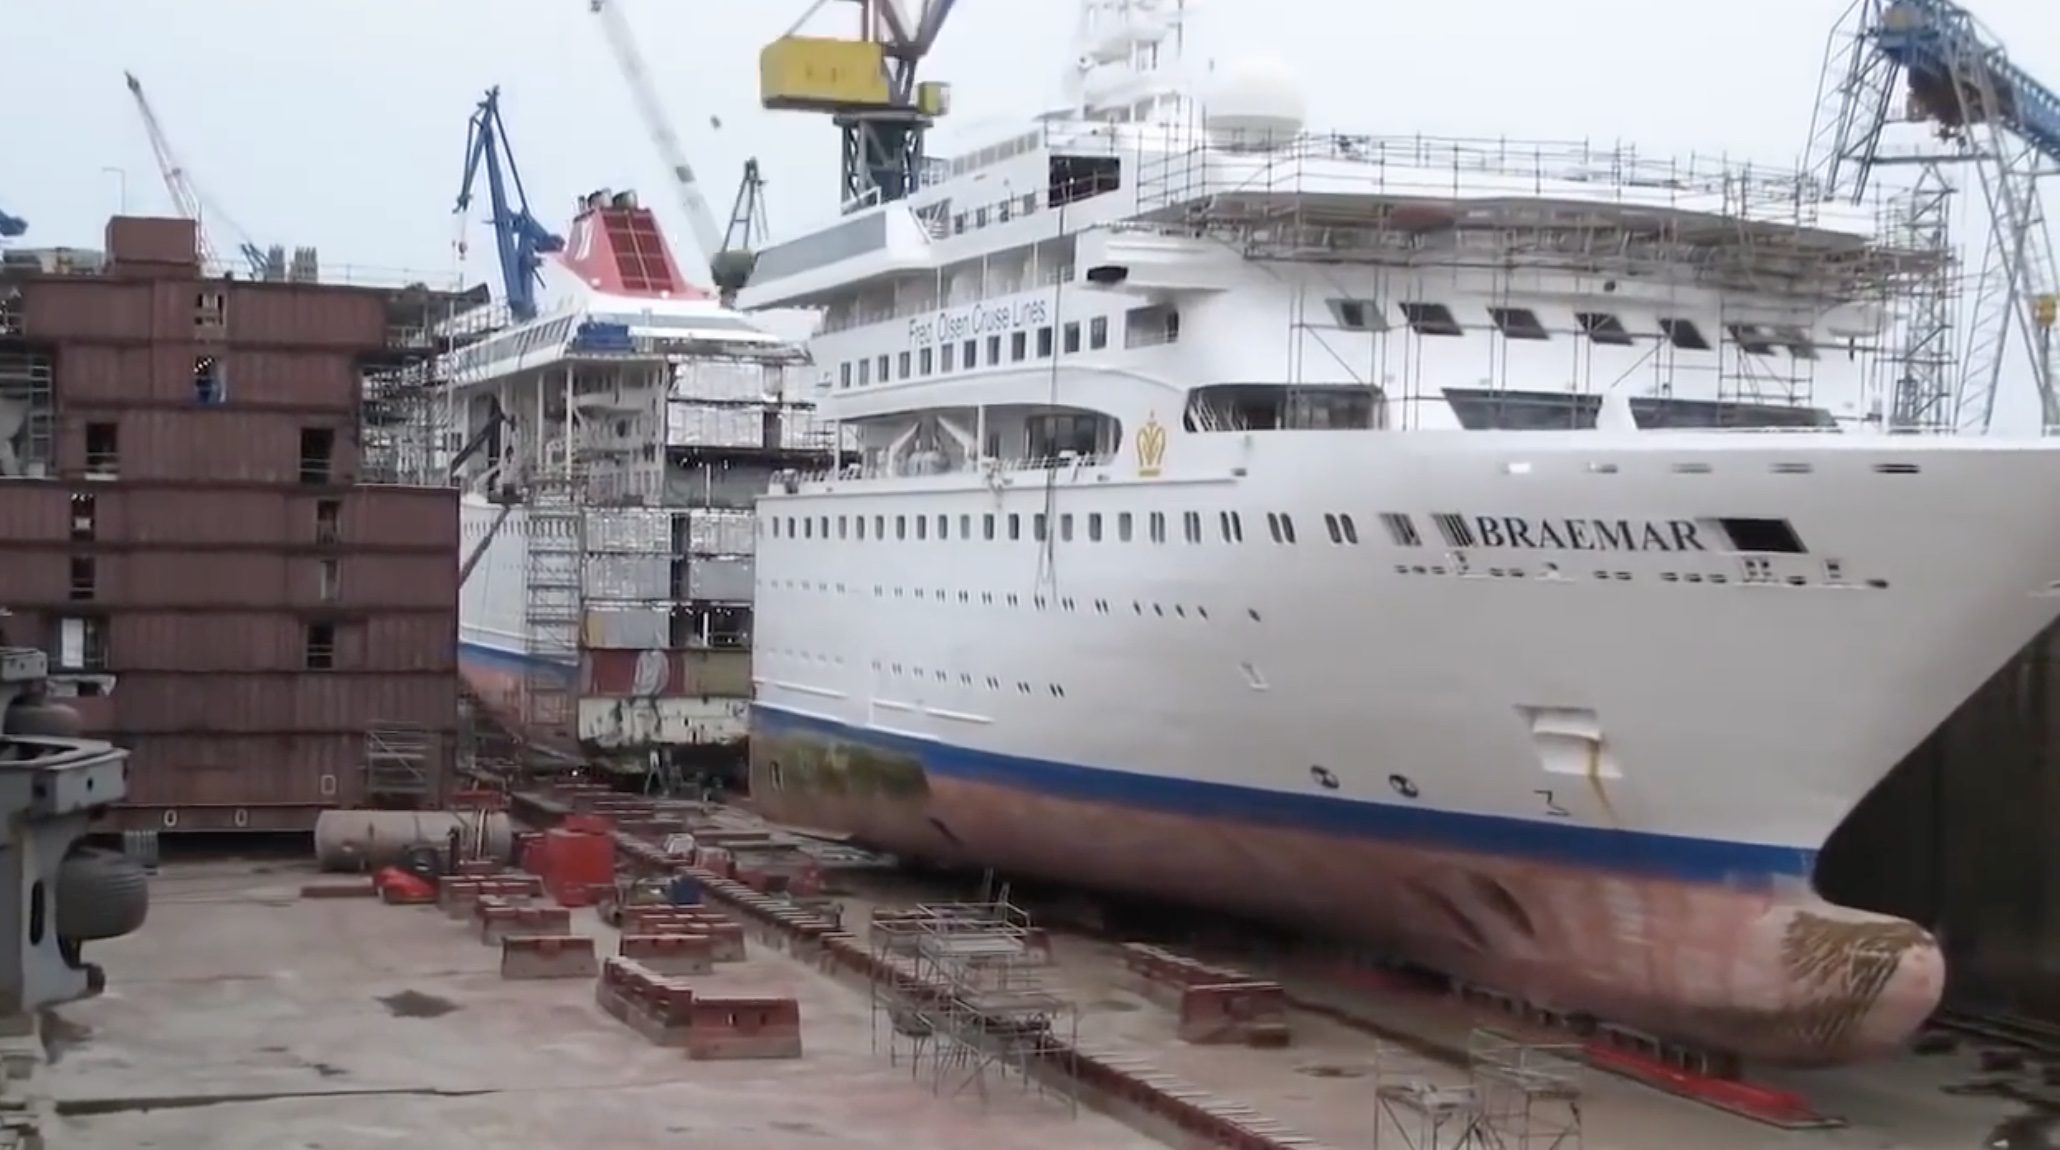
(554, 570)
(1989, 115)
(961, 998)
(1515, 1096)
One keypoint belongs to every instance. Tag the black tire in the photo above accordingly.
(100, 894)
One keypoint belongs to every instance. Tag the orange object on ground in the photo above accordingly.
(575, 865)
(401, 888)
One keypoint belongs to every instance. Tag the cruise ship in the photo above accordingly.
(1491, 554)
(610, 448)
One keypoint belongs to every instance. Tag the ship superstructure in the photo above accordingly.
(1494, 553)
(611, 446)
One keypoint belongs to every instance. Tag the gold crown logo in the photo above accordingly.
(1151, 446)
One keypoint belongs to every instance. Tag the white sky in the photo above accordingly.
(341, 123)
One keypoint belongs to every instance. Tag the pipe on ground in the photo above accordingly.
(367, 840)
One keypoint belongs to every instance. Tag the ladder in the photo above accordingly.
(553, 599)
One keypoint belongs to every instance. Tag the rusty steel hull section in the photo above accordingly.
(195, 547)
(1759, 966)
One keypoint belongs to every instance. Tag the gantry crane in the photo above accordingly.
(1992, 116)
(186, 197)
(868, 86)
(520, 242)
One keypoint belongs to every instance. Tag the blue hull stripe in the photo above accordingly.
(1563, 843)
(514, 662)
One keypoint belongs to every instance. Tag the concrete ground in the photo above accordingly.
(242, 1017)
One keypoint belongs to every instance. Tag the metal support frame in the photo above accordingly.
(554, 582)
(960, 998)
(1514, 1096)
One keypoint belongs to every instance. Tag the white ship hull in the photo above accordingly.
(1594, 771)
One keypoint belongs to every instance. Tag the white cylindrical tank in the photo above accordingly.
(1255, 103)
(368, 840)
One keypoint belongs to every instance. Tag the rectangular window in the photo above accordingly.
(1157, 526)
(843, 526)
(102, 449)
(1517, 322)
(317, 451)
(994, 350)
(84, 584)
(922, 527)
(947, 356)
(858, 526)
(1123, 527)
(1015, 526)
(1430, 319)
(85, 516)
(1191, 525)
(1603, 328)
(328, 580)
(1071, 343)
(865, 372)
(1094, 527)
(972, 353)
(1683, 333)
(927, 360)
(987, 525)
(1019, 345)
(965, 527)
(1066, 527)
(1044, 343)
(320, 647)
(1037, 528)
(1098, 333)
(844, 374)
(210, 386)
(943, 527)
(901, 526)
(879, 527)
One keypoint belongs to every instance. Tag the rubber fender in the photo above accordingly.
(100, 894)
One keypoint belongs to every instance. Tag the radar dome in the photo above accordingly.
(1256, 103)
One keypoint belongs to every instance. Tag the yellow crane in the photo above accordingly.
(867, 85)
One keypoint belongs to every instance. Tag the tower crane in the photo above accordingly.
(520, 241)
(186, 197)
(727, 268)
(868, 87)
(1990, 115)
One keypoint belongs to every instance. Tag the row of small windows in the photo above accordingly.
(1094, 526)
(1143, 327)
(1436, 319)
(1138, 607)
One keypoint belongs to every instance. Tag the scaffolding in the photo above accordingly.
(27, 414)
(553, 603)
(1495, 218)
(403, 764)
(1515, 1096)
(959, 997)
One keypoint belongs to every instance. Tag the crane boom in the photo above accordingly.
(186, 198)
(622, 42)
(520, 241)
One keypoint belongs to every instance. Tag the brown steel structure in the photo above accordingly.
(190, 535)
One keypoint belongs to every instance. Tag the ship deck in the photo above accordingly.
(245, 1016)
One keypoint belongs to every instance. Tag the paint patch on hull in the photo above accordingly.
(1759, 966)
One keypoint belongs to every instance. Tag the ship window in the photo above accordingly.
(824, 524)
(1191, 524)
(319, 647)
(945, 354)
(927, 360)
(1330, 524)
(1684, 334)
(1098, 333)
(944, 527)
(1649, 412)
(1037, 528)
(879, 527)
(1071, 343)
(1603, 327)
(886, 369)
(1157, 525)
(1430, 319)
(965, 526)
(776, 526)
(922, 527)
(1094, 527)
(1044, 343)
(1797, 341)
(1150, 326)
(842, 526)
(865, 372)
(859, 522)
(979, 217)
(844, 374)
(1479, 409)
(987, 525)
(901, 366)
(1750, 339)
(1351, 531)
(1518, 323)
(901, 526)
(993, 350)
(1015, 526)
(972, 356)
(1066, 527)
(1763, 535)
(1237, 527)
(1401, 529)
(1019, 345)
(808, 527)
(1273, 526)
(1123, 527)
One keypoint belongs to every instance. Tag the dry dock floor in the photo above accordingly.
(243, 1017)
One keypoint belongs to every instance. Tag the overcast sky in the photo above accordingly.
(341, 123)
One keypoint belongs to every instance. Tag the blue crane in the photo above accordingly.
(519, 239)
(12, 226)
(1991, 115)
